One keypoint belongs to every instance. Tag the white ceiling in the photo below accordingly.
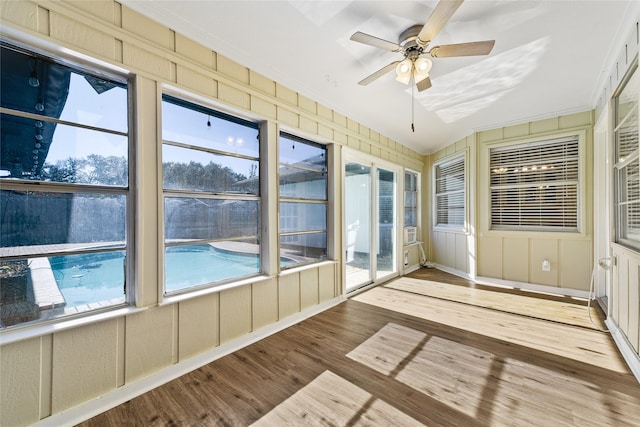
(550, 57)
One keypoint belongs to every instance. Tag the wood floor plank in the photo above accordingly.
(566, 311)
(532, 332)
(402, 354)
(331, 400)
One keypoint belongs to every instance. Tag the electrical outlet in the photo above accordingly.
(546, 265)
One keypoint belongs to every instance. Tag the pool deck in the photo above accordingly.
(53, 249)
(42, 295)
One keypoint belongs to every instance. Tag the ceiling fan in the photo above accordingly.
(413, 43)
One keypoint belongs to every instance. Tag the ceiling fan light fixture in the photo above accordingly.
(404, 70)
(423, 65)
(422, 68)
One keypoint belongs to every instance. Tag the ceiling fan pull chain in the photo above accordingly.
(413, 91)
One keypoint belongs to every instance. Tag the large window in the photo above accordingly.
(627, 177)
(65, 199)
(211, 181)
(303, 201)
(449, 193)
(534, 186)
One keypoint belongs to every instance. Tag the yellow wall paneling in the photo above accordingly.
(517, 255)
(54, 372)
(451, 249)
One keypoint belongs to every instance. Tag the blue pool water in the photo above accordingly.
(90, 278)
(187, 266)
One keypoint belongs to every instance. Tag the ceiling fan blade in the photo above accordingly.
(462, 49)
(424, 84)
(375, 41)
(440, 15)
(382, 71)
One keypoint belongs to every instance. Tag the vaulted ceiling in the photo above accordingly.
(550, 57)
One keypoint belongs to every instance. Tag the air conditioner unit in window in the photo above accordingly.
(410, 235)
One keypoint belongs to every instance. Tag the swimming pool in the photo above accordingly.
(193, 265)
(96, 277)
(89, 278)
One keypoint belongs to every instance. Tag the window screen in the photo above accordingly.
(303, 201)
(65, 201)
(534, 186)
(211, 183)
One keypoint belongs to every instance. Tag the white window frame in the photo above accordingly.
(462, 190)
(289, 199)
(579, 183)
(418, 177)
(90, 312)
(622, 164)
(221, 112)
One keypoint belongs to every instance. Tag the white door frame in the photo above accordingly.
(352, 156)
(602, 203)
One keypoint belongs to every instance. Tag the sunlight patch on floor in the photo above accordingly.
(539, 335)
(450, 372)
(388, 348)
(331, 400)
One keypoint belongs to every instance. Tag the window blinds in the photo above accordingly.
(534, 186)
(449, 193)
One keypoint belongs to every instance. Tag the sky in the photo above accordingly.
(108, 110)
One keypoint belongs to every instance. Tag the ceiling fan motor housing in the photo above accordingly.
(409, 41)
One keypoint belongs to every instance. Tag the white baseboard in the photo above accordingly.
(410, 268)
(109, 400)
(628, 352)
(533, 287)
(545, 289)
(453, 271)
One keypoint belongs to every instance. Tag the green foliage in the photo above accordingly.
(113, 170)
(210, 177)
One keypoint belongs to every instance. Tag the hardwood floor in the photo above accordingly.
(429, 349)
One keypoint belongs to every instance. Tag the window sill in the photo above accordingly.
(568, 235)
(306, 267)
(214, 289)
(453, 230)
(17, 333)
(622, 248)
(176, 298)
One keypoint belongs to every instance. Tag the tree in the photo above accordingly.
(113, 170)
(62, 171)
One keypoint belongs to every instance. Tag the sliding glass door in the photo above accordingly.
(386, 223)
(358, 217)
(371, 229)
